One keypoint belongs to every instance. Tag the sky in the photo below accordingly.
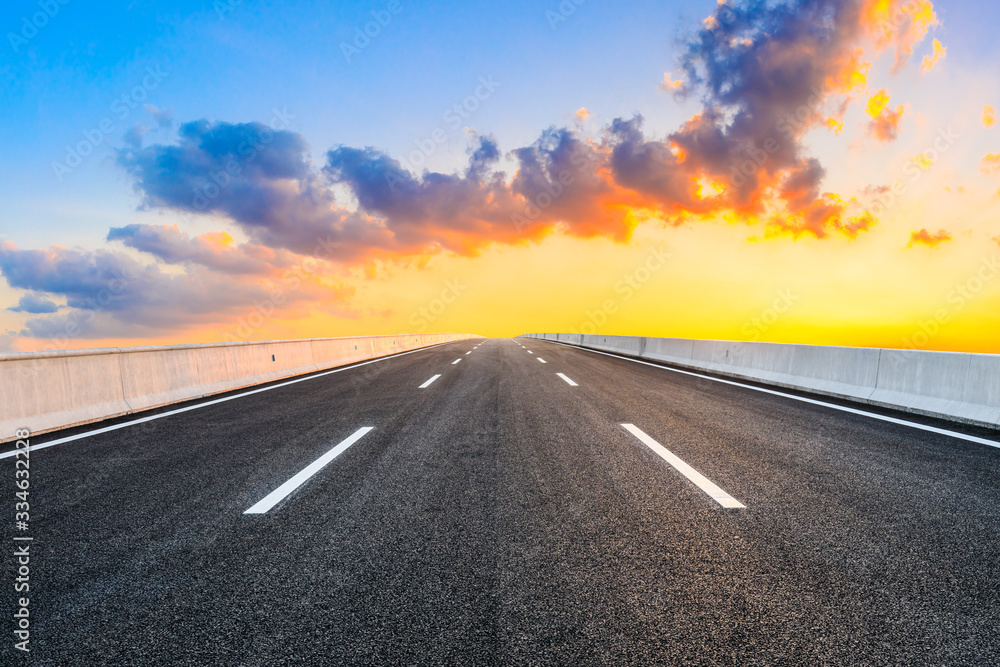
(810, 171)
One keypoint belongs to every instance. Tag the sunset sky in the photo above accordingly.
(822, 172)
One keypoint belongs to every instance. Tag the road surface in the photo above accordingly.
(534, 504)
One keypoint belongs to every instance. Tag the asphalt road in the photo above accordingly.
(502, 516)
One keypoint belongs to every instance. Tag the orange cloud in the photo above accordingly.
(859, 223)
(898, 24)
(991, 164)
(989, 116)
(931, 60)
(582, 113)
(924, 237)
(220, 239)
(885, 122)
(851, 73)
(877, 103)
(669, 83)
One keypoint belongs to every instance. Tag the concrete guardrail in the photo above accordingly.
(46, 391)
(950, 385)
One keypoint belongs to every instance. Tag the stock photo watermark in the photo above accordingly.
(292, 281)
(32, 24)
(562, 13)
(22, 542)
(453, 117)
(787, 126)
(902, 15)
(534, 207)
(121, 108)
(223, 7)
(626, 288)
(425, 316)
(957, 299)
(247, 152)
(783, 302)
(363, 35)
(915, 169)
(264, 309)
(75, 327)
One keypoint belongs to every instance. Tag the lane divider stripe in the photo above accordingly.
(430, 382)
(280, 493)
(702, 482)
(568, 381)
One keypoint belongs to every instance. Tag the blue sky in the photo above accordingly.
(240, 65)
(141, 70)
(242, 62)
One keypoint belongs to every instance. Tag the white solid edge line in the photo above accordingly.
(430, 382)
(568, 381)
(702, 482)
(455, 362)
(803, 399)
(280, 493)
(170, 413)
(541, 360)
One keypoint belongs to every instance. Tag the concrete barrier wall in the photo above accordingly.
(955, 386)
(45, 391)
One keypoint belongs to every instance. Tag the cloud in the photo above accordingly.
(164, 117)
(924, 237)
(768, 74)
(214, 250)
(582, 114)
(937, 54)
(991, 164)
(670, 84)
(556, 183)
(885, 122)
(215, 164)
(134, 135)
(260, 178)
(989, 116)
(34, 304)
(109, 294)
(898, 24)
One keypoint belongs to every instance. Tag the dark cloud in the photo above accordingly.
(238, 169)
(556, 184)
(766, 70)
(442, 210)
(260, 178)
(34, 304)
(134, 136)
(560, 182)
